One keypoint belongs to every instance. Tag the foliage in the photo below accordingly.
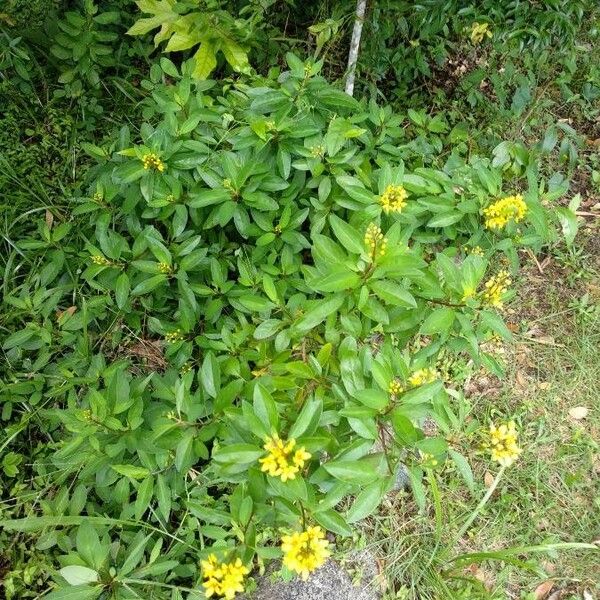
(227, 247)
(257, 257)
(185, 25)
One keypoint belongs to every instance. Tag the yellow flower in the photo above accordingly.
(428, 459)
(153, 161)
(174, 336)
(100, 260)
(479, 31)
(282, 461)
(375, 241)
(476, 251)
(305, 551)
(317, 151)
(164, 268)
(393, 199)
(223, 579)
(498, 214)
(503, 443)
(468, 292)
(423, 376)
(495, 288)
(395, 388)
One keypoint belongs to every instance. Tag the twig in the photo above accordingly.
(361, 7)
(535, 260)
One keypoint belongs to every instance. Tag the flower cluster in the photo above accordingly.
(317, 151)
(282, 461)
(480, 31)
(395, 388)
(498, 214)
(223, 579)
(428, 460)
(476, 251)
(375, 240)
(503, 443)
(495, 288)
(305, 551)
(393, 199)
(165, 268)
(100, 260)
(423, 376)
(153, 161)
(174, 336)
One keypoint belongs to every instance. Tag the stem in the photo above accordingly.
(361, 7)
(481, 504)
(441, 302)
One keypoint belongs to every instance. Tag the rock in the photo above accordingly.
(330, 582)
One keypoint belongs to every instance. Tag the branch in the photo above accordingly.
(361, 7)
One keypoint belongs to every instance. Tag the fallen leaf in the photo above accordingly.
(542, 590)
(578, 412)
(488, 479)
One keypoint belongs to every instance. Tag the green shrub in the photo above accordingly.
(231, 276)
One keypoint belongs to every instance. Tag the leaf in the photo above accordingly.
(541, 591)
(367, 501)
(362, 471)
(439, 321)
(336, 282)
(75, 593)
(349, 237)
(148, 285)
(393, 293)
(211, 375)
(205, 60)
(122, 289)
(319, 313)
(131, 471)
(333, 521)
(308, 418)
(464, 468)
(238, 454)
(78, 575)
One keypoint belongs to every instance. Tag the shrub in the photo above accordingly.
(262, 264)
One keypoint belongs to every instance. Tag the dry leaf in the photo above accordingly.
(49, 219)
(544, 385)
(488, 479)
(542, 590)
(578, 412)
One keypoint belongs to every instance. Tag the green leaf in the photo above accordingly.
(422, 394)
(349, 237)
(211, 375)
(238, 454)
(148, 285)
(362, 472)
(131, 471)
(336, 282)
(464, 468)
(319, 313)
(122, 289)
(439, 321)
(78, 575)
(333, 521)
(372, 398)
(393, 293)
(144, 496)
(367, 501)
(265, 408)
(205, 60)
(76, 593)
(308, 418)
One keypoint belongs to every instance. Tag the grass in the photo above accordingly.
(552, 493)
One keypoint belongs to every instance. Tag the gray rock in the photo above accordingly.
(330, 582)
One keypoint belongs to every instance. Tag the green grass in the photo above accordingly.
(550, 495)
